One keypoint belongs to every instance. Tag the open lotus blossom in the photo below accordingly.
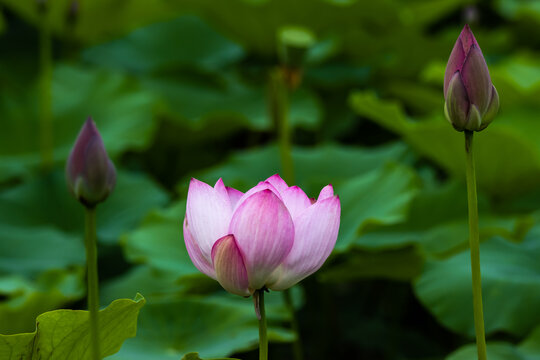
(271, 237)
(471, 100)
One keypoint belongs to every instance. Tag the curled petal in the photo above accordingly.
(455, 63)
(196, 255)
(316, 232)
(208, 213)
(229, 266)
(492, 109)
(474, 122)
(277, 182)
(476, 79)
(263, 185)
(234, 196)
(296, 200)
(326, 192)
(264, 232)
(456, 105)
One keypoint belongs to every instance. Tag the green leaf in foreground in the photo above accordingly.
(64, 334)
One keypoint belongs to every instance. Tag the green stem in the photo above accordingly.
(279, 113)
(474, 240)
(263, 338)
(297, 344)
(45, 96)
(93, 295)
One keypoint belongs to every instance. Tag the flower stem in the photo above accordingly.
(45, 93)
(263, 338)
(279, 114)
(474, 241)
(92, 271)
(279, 108)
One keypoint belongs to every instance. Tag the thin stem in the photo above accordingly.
(93, 295)
(45, 96)
(474, 240)
(263, 338)
(297, 344)
(279, 113)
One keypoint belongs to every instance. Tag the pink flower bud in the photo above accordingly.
(272, 236)
(471, 100)
(90, 174)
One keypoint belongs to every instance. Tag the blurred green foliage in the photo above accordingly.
(179, 89)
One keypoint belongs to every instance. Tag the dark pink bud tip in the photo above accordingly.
(90, 174)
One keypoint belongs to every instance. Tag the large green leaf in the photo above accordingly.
(23, 252)
(376, 198)
(510, 282)
(34, 198)
(507, 161)
(149, 48)
(65, 334)
(24, 299)
(214, 326)
(159, 242)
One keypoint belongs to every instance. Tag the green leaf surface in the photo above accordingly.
(380, 197)
(444, 288)
(159, 242)
(64, 334)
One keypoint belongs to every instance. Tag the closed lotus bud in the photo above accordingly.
(471, 100)
(90, 174)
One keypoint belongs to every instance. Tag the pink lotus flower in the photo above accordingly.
(90, 174)
(471, 100)
(272, 236)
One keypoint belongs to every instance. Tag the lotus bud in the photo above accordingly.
(293, 44)
(90, 174)
(471, 100)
